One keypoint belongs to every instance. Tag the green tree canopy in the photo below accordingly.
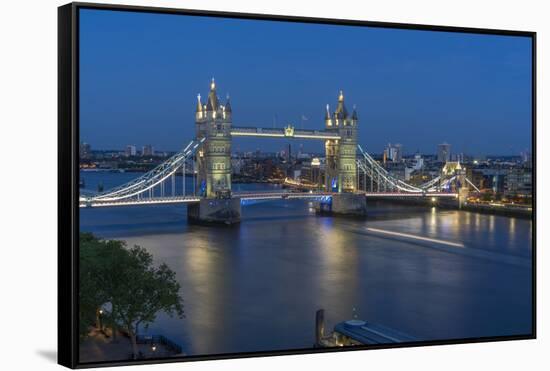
(126, 280)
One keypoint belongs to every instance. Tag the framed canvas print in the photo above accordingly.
(236, 185)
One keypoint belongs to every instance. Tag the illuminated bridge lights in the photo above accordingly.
(145, 189)
(404, 194)
(140, 202)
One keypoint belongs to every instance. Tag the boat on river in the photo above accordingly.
(356, 332)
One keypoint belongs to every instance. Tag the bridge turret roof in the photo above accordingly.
(199, 104)
(212, 104)
(228, 105)
(341, 111)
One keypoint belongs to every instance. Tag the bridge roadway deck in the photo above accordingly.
(252, 196)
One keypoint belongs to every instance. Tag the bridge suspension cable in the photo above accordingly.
(151, 179)
(381, 176)
(383, 179)
(150, 188)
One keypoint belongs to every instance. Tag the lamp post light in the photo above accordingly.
(99, 324)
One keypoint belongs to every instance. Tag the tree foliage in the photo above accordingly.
(125, 281)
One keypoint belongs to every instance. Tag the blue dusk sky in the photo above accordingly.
(140, 74)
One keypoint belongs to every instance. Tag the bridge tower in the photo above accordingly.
(341, 166)
(463, 188)
(454, 168)
(213, 122)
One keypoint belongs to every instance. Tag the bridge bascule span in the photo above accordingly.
(351, 175)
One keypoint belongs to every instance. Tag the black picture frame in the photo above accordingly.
(68, 178)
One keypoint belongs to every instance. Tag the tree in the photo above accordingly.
(144, 291)
(126, 281)
(90, 295)
(99, 268)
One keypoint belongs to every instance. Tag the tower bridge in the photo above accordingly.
(351, 175)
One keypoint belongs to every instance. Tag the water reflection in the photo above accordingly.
(512, 229)
(338, 274)
(256, 286)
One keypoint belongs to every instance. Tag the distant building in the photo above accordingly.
(418, 162)
(130, 150)
(393, 153)
(518, 182)
(312, 171)
(496, 183)
(237, 166)
(147, 150)
(289, 153)
(526, 157)
(85, 150)
(443, 152)
(459, 157)
(401, 171)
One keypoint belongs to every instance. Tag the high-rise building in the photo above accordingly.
(85, 150)
(130, 150)
(418, 162)
(459, 157)
(147, 150)
(526, 157)
(398, 153)
(444, 152)
(393, 153)
(289, 153)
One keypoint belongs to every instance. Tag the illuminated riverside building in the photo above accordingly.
(341, 167)
(518, 182)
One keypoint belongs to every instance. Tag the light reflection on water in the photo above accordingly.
(256, 286)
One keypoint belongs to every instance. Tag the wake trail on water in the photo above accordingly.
(453, 247)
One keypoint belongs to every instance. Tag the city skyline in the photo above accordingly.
(296, 144)
(458, 88)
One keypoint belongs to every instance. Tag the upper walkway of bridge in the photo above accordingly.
(287, 132)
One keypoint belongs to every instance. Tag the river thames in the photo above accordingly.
(256, 286)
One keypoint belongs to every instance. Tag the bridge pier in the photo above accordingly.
(346, 204)
(215, 211)
(463, 194)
